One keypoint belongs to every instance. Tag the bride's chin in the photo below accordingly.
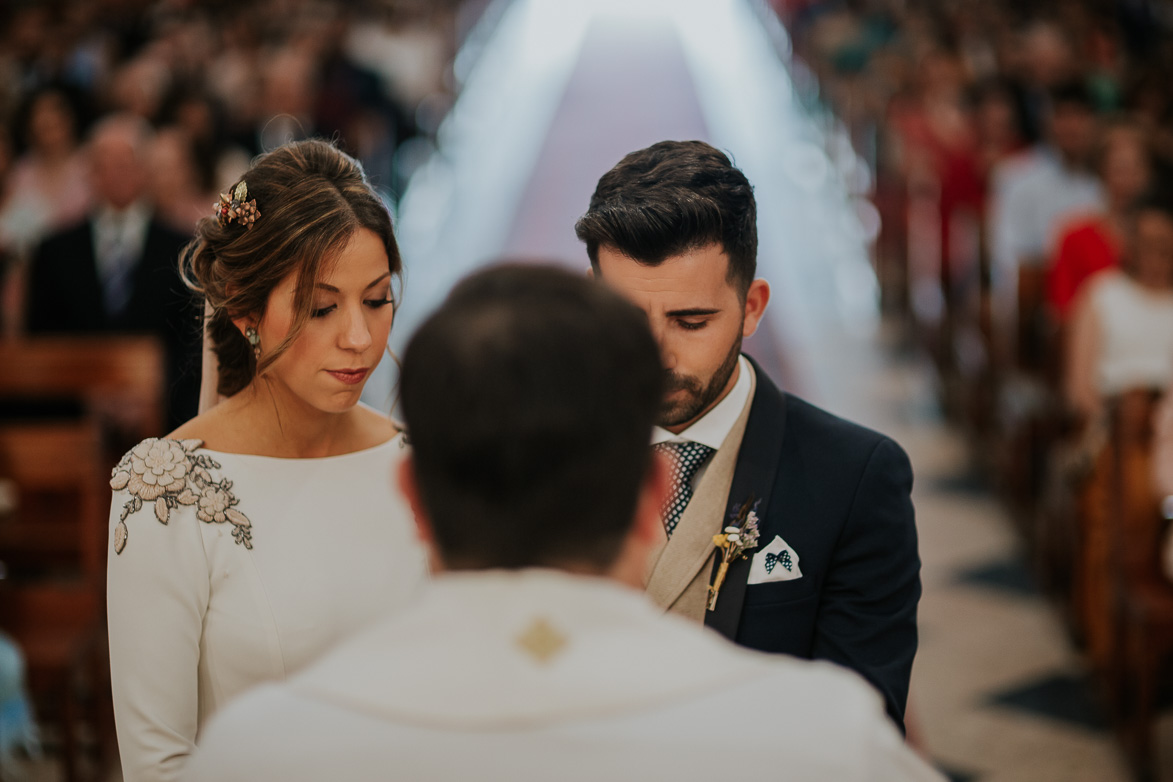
(343, 401)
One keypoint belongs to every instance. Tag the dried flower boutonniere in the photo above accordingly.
(738, 539)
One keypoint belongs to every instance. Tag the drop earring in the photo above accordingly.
(254, 339)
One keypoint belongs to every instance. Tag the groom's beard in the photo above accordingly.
(699, 394)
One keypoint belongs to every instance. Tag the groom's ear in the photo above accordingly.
(405, 477)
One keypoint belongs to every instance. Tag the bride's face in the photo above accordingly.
(331, 359)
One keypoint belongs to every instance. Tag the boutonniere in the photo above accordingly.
(736, 541)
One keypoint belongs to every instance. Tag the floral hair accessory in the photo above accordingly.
(236, 207)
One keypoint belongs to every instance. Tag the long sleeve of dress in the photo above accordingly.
(158, 591)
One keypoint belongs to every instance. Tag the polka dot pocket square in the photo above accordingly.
(775, 562)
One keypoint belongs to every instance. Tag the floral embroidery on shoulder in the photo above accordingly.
(167, 474)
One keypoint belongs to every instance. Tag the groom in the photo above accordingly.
(835, 574)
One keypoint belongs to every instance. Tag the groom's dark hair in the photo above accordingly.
(529, 398)
(672, 197)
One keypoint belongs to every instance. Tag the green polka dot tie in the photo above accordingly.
(684, 460)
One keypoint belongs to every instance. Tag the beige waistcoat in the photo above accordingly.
(679, 579)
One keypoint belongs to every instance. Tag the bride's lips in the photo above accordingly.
(349, 376)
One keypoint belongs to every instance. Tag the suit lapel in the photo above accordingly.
(757, 466)
(88, 281)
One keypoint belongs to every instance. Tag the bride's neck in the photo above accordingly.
(284, 425)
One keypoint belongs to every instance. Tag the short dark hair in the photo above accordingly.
(670, 198)
(1072, 93)
(529, 398)
(1155, 199)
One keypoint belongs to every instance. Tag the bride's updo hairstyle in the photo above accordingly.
(311, 199)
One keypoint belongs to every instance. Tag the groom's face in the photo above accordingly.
(697, 317)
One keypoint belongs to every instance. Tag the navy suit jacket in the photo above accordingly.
(65, 297)
(839, 495)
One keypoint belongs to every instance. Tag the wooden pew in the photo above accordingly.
(1093, 592)
(116, 381)
(58, 470)
(57, 620)
(1102, 550)
(1144, 596)
(120, 380)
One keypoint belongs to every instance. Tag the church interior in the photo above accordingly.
(939, 185)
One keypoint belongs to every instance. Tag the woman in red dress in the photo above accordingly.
(1093, 243)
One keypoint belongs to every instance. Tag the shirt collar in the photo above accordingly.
(129, 223)
(714, 426)
(119, 232)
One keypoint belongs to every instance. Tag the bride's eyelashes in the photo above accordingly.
(372, 303)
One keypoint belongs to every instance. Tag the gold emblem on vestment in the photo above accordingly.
(541, 641)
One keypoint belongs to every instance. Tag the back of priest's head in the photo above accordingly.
(529, 398)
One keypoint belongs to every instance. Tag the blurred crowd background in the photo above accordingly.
(1022, 155)
(1018, 151)
(212, 84)
(1019, 159)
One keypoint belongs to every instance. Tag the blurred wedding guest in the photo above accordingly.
(262, 532)
(204, 120)
(940, 151)
(116, 271)
(1122, 326)
(1032, 195)
(1034, 192)
(11, 272)
(18, 729)
(140, 85)
(1163, 471)
(1163, 447)
(1047, 60)
(288, 86)
(7, 156)
(1091, 244)
(530, 397)
(999, 124)
(182, 183)
(48, 187)
(1150, 103)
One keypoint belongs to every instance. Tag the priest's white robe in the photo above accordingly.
(542, 675)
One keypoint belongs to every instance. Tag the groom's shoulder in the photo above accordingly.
(803, 422)
(811, 420)
(822, 440)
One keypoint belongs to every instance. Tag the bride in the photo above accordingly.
(264, 530)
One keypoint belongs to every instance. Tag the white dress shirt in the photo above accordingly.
(1136, 334)
(119, 235)
(1033, 197)
(119, 240)
(713, 427)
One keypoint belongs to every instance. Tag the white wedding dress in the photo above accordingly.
(228, 570)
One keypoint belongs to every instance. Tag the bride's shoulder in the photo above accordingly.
(222, 428)
(165, 475)
(373, 427)
(159, 456)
